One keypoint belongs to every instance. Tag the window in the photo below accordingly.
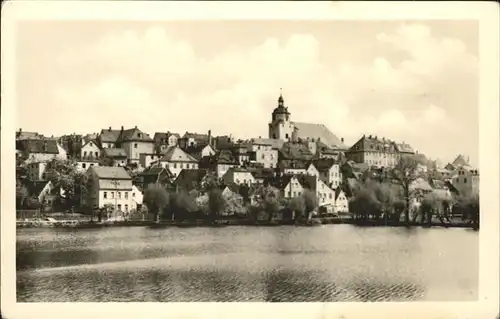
(139, 135)
(290, 194)
(135, 145)
(91, 164)
(263, 156)
(133, 194)
(465, 180)
(84, 153)
(119, 194)
(126, 208)
(152, 157)
(105, 195)
(119, 207)
(330, 195)
(175, 165)
(84, 165)
(294, 194)
(96, 154)
(112, 194)
(286, 135)
(126, 195)
(181, 166)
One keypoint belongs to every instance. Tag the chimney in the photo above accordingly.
(134, 126)
(109, 130)
(210, 137)
(20, 130)
(45, 146)
(342, 139)
(122, 127)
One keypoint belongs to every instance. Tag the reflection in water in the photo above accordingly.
(278, 264)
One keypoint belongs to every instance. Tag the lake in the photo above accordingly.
(276, 264)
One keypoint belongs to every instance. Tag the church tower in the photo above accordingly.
(280, 126)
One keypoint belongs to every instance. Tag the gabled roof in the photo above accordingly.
(190, 177)
(38, 146)
(176, 154)
(109, 135)
(134, 134)
(35, 188)
(160, 136)
(114, 153)
(195, 151)
(460, 161)
(152, 171)
(324, 164)
(235, 188)
(308, 181)
(93, 142)
(196, 136)
(404, 148)
(421, 184)
(22, 135)
(280, 182)
(110, 172)
(311, 131)
(261, 173)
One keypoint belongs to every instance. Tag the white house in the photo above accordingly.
(329, 171)
(111, 186)
(341, 202)
(41, 150)
(137, 197)
(90, 151)
(238, 176)
(175, 159)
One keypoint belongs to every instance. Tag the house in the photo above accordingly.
(154, 175)
(137, 198)
(341, 201)
(466, 180)
(108, 137)
(241, 152)
(44, 191)
(351, 169)
(40, 150)
(163, 140)
(72, 144)
(288, 184)
(219, 162)
(195, 139)
(191, 179)
(111, 186)
(135, 142)
(146, 160)
(115, 156)
(335, 152)
(312, 170)
(264, 152)
(223, 142)
(295, 151)
(238, 176)
(199, 151)
(293, 166)
(175, 159)
(23, 135)
(419, 188)
(83, 165)
(375, 151)
(329, 171)
(261, 174)
(36, 170)
(324, 194)
(90, 151)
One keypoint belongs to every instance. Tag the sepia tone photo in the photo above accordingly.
(247, 160)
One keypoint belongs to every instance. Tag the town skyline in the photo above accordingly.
(179, 80)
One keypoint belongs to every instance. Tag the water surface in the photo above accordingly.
(324, 263)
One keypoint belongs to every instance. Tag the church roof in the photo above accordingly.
(311, 130)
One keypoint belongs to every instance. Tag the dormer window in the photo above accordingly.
(139, 135)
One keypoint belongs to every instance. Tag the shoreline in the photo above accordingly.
(250, 223)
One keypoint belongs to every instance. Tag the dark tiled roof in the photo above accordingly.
(404, 148)
(114, 152)
(38, 146)
(188, 178)
(261, 173)
(21, 135)
(109, 135)
(35, 188)
(152, 171)
(109, 172)
(280, 182)
(199, 138)
(324, 164)
(295, 151)
(373, 144)
(225, 157)
(134, 134)
(308, 181)
(176, 154)
(161, 136)
(293, 164)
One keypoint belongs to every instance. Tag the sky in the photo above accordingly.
(410, 81)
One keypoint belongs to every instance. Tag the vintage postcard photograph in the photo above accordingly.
(335, 157)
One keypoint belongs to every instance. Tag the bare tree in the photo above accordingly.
(405, 173)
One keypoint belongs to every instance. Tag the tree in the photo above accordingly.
(298, 206)
(310, 202)
(405, 173)
(216, 203)
(469, 207)
(269, 200)
(181, 204)
(363, 203)
(64, 175)
(21, 194)
(156, 199)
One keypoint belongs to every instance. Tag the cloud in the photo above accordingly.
(160, 82)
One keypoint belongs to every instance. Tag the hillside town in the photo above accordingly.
(300, 167)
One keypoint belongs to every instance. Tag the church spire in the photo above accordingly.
(280, 99)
